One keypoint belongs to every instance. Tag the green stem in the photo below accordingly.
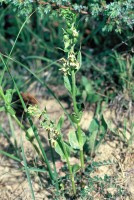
(80, 142)
(69, 167)
(42, 150)
(53, 160)
(30, 138)
(44, 157)
(74, 92)
(78, 132)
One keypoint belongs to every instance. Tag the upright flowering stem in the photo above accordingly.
(70, 168)
(74, 92)
(70, 66)
(78, 132)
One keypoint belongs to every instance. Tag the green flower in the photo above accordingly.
(34, 111)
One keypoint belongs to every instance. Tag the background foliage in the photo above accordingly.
(105, 27)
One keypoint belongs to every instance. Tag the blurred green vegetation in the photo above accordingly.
(106, 56)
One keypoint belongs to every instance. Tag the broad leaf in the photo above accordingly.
(92, 140)
(84, 138)
(93, 130)
(94, 125)
(74, 141)
(93, 97)
(59, 149)
(88, 86)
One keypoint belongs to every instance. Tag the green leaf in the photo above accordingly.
(30, 134)
(84, 95)
(2, 94)
(104, 126)
(8, 96)
(67, 84)
(60, 122)
(67, 45)
(94, 125)
(84, 138)
(80, 107)
(11, 156)
(59, 149)
(93, 130)
(84, 81)
(92, 97)
(92, 140)
(2, 109)
(75, 168)
(79, 58)
(88, 86)
(10, 110)
(102, 132)
(73, 141)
